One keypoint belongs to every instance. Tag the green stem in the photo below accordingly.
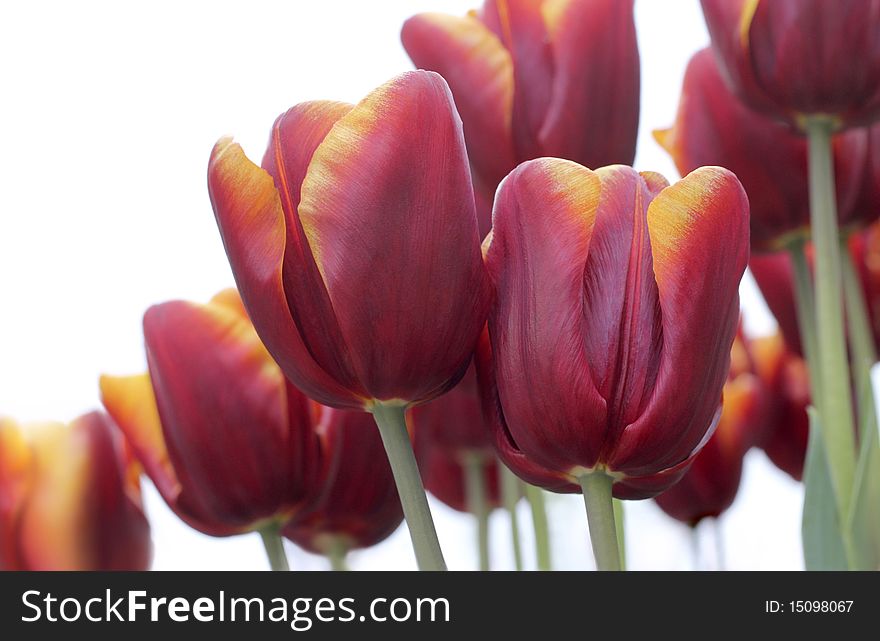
(274, 544)
(835, 404)
(392, 427)
(510, 496)
(477, 502)
(535, 497)
(336, 551)
(620, 528)
(596, 487)
(806, 305)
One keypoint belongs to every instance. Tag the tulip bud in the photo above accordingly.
(785, 376)
(709, 487)
(536, 78)
(229, 444)
(797, 58)
(712, 127)
(355, 247)
(358, 504)
(616, 307)
(70, 498)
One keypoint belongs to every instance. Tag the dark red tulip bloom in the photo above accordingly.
(536, 78)
(785, 376)
(709, 487)
(616, 309)
(70, 498)
(446, 432)
(228, 442)
(356, 248)
(796, 58)
(358, 505)
(712, 127)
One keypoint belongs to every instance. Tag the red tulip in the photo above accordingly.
(713, 128)
(616, 309)
(447, 431)
(355, 247)
(709, 487)
(70, 498)
(797, 58)
(536, 78)
(229, 444)
(358, 505)
(784, 375)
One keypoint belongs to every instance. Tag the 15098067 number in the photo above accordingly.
(820, 606)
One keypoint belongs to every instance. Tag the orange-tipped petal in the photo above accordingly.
(223, 404)
(388, 209)
(251, 221)
(78, 515)
(544, 219)
(479, 71)
(296, 135)
(699, 240)
(132, 404)
(593, 114)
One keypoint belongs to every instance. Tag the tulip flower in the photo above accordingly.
(816, 66)
(356, 251)
(712, 127)
(616, 308)
(70, 498)
(457, 461)
(358, 505)
(709, 487)
(227, 441)
(536, 78)
(793, 59)
(785, 377)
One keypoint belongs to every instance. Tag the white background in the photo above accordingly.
(108, 112)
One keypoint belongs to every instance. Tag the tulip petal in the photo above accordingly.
(251, 221)
(523, 30)
(388, 209)
(544, 218)
(295, 136)
(131, 403)
(595, 54)
(479, 71)
(621, 311)
(223, 407)
(699, 240)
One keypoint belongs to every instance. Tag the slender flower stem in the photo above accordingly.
(620, 528)
(806, 306)
(596, 487)
(392, 427)
(336, 551)
(535, 497)
(478, 502)
(274, 544)
(510, 497)
(835, 405)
